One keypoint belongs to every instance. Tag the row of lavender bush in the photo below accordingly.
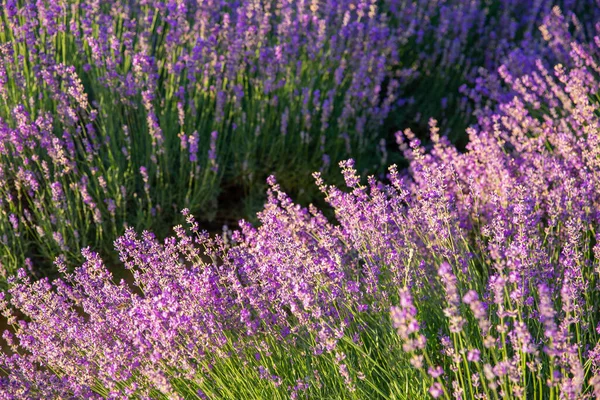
(474, 276)
(117, 114)
(121, 113)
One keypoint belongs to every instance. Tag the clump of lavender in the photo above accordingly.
(120, 114)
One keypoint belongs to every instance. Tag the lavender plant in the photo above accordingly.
(120, 114)
(559, 29)
(528, 187)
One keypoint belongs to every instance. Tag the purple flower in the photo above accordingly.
(473, 355)
(436, 390)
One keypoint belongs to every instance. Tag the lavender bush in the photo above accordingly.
(120, 114)
(559, 30)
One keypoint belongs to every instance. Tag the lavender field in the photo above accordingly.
(300, 199)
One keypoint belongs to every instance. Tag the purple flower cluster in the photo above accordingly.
(559, 29)
(115, 115)
(460, 46)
